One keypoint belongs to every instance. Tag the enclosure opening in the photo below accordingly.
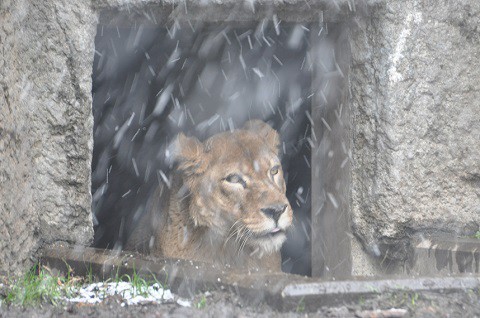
(150, 83)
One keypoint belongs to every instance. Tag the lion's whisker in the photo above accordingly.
(248, 234)
(232, 233)
(240, 233)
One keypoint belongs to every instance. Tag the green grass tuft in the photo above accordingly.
(39, 285)
(301, 305)
(139, 285)
(201, 303)
(477, 235)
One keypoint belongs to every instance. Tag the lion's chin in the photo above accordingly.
(269, 242)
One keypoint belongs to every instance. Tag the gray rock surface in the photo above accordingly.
(416, 117)
(45, 126)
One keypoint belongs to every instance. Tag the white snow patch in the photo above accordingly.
(97, 292)
(184, 302)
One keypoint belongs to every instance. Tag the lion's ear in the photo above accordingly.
(264, 130)
(189, 154)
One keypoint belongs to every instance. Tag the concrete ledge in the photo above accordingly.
(280, 291)
(446, 255)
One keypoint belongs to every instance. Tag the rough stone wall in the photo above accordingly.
(45, 126)
(414, 103)
(416, 115)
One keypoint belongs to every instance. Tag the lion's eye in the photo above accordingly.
(274, 170)
(235, 178)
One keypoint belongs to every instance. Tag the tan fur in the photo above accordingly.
(210, 216)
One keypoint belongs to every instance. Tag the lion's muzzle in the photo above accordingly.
(274, 211)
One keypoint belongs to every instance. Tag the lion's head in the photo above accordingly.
(236, 187)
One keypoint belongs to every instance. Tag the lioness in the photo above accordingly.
(226, 205)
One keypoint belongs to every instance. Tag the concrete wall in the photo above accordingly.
(414, 105)
(416, 117)
(45, 126)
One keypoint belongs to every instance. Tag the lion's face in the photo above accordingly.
(237, 187)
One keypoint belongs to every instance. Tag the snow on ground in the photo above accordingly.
(97, 292)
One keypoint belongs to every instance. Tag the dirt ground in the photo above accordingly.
(225, 304)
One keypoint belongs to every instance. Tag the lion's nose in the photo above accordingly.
(274, 211)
